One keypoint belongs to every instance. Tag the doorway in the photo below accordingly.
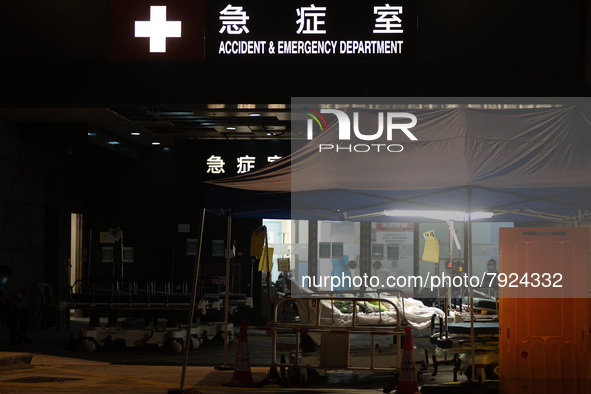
(76, 252)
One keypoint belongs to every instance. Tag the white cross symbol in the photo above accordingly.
(157, 29)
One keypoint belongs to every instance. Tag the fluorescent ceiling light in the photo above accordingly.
(174, 113)
(113, 142)
(155, 143)
(230, 128)
(135, 133)
(481, 215)
(457, 216)
(254, 114)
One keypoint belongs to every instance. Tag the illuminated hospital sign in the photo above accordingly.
(158, 29)
(163, 30)
(321, 29)
(288, 31)
(205, 160)
(243, 164)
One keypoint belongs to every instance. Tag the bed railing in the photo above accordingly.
(317, 324)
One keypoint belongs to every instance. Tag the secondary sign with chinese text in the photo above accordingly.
(207, 160)
(216, 164)
(296, 30)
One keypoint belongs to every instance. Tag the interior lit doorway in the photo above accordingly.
(76, 250)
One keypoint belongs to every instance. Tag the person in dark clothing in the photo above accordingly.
(13, 309)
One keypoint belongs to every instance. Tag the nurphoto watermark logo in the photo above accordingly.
(375, 138)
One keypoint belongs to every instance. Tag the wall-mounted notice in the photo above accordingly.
(191, 247)
(127, 254)
(217, 248)
(107, 254)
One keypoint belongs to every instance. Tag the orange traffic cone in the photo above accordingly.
(242, 376)
(407, 382)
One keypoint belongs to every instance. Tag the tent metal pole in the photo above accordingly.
(89, 254)
(472, 352)
(193, 296)
(269, 263)
(227, 290)
(529, 212)
(448, 293)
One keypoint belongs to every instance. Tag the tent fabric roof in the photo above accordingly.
(537, 161)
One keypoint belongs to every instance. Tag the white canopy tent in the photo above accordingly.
(519, 164)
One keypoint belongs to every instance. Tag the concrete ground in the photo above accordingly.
(55, 362)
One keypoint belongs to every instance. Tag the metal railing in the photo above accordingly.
(326, 325)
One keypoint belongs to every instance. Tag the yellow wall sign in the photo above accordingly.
(105, 238)
(431, 251)
(257, 242)
(430, 233)
(264, 264)
(283, 264)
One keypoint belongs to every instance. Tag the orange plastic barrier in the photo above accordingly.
(545, 332)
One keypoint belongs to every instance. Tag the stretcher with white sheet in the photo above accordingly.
(361, 335)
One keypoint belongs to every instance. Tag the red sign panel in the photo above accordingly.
(387, 226)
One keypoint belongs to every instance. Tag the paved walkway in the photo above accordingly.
(56, 363)
(50, 374)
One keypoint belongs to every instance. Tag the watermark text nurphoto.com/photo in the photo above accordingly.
(488, 279)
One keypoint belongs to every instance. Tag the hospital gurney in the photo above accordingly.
(456, 340)
(133, 308)
(366, 340)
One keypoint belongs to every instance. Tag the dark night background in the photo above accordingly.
(56, 53)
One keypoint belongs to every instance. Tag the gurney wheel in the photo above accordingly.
(229, 338)
(195, 343)
(493, 370)
(176, 346)
(300, 374)
(303, 375)
(480, 374)
(88, 345)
